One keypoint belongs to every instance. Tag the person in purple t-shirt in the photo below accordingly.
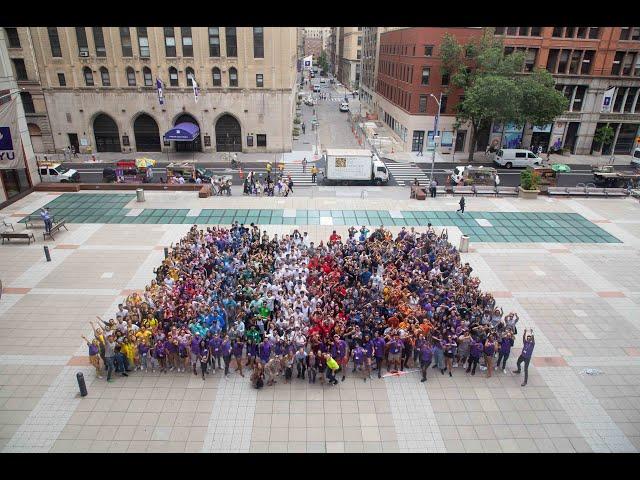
(195, 352)
(426, 355)
(204, 357)
(395, 352)
(506, 342)
(489, 351)
(359, 355)
(527, 350)
(225, 350)
(379, 346)
(474, 355)
(238, 346)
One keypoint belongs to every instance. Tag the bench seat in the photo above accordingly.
(23, 236)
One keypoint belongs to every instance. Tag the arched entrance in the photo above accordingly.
(196, 145)
(146, 133)
(228, 134)
(106, 134)
(36, 138)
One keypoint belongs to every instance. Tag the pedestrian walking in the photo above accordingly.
(433, 187)
(304, 165)
(462, 202)
(528, 342)
(314, 173)
(304, 128)
(46, 218)
(426, 354)
(496, 181)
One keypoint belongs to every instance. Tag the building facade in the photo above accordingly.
(18, 167)
(585, 62)
(349, 55)
(333, 48)
(408, 72)
(369, 65)
(99, 87)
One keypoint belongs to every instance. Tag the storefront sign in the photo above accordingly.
(447, 139)
(84, 142)
(249, 140)
(10, 143)
(543, 129)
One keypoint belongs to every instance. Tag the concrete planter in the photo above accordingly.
(529, 194)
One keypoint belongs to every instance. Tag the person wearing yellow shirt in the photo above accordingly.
(332, 368)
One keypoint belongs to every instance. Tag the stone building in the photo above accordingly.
(97, 85)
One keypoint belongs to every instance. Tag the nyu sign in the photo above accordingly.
(6, 145)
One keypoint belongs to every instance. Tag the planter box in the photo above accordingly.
(530, 194)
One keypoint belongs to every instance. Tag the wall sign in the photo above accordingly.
(207, 141)
(125, 140)
(249, 140)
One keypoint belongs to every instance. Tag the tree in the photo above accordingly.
(322, 61)
(604, 135)
(495, 88)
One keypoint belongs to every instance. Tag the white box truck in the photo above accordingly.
(350, 166)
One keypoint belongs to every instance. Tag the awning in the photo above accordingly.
(183, 132)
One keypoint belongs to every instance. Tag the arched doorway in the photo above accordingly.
(146, 133)
(228, 134)
(196, 145)
(106, 134)
(36, 138)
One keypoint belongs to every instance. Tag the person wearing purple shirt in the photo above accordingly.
(359, 355)
(238, 346)
(264, 351)
(474, 356)
(379, 346)
(161, 355)
(426, 355)
(143, 351)
(395, 352)
(172, 352)
(195, 352)
(215, 345)
(225, 349)
(528, 342)
(489, 350)
(340, 355)
(369, 348)
(183, 355)
(204, 357)
(506, 342)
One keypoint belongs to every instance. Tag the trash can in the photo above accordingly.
(464, 244)
(81, 384)
(140, 194)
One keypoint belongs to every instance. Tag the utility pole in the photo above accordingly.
(435, 134)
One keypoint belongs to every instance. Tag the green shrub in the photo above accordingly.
(296, 120)
(296, 132)
(529, 179)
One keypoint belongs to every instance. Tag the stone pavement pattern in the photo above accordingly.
(582, 299)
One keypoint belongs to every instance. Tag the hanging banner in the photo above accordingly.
(607, 100)
(10, 143)
(308, 62)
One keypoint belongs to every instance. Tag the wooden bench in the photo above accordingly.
(561, 191)
(29, 222)
(205, 191)
(55, 228)
(511, 191)
(485, 190)
(616, 192)
(465, 190)
(25, 236)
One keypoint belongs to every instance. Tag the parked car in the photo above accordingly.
(344, 107)
(316, 88)
(635, 161)
(514, 157)
(309, 101)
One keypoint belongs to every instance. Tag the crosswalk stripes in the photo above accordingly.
(405, 173)
(300, 178)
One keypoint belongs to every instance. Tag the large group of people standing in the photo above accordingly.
(238, 300)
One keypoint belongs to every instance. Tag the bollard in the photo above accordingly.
(166, 252)
(140, 195)
(81, 384)
(47, 254)
(464, 244)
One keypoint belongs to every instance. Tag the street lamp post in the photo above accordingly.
(435, 134)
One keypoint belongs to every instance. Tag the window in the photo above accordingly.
(536, 31)
(630, 33)
(88, 76)
(104, 76)
(617, 63)
(443, 104)
(169, 42)
(570, 32)
(21, 70)
(81, 36)
(143, 42)
(445, 79)
(563, 61)
(587, 62)
(425, 75)
(521, 155)
(125, 41)
(358, 54)
(232, 42)
(214, 41)
(530, 59)
(582, 32)
(61, 80)
(27, 102)
(576, 55)
(258, 42)
(594, 32)
(581, 90)
(190, 74)
(54, 40)
(259, 80)
(524, 31)
(217, 79)
(13, 37)
(512, 30)
(499, 31)
(557, 32)
(173, 76)
(359, 41)
(619, 98)
(233, 77)
(261, 140)
(131, 77)
(98, 40)
(148, 77)
(627, 63)
(428, 50)
(631, 94)
(187, 41)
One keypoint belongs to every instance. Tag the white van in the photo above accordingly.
(635, 161)
(513, 157)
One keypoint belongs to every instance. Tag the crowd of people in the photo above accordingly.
(274, 306)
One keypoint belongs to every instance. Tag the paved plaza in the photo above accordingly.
(568, 267)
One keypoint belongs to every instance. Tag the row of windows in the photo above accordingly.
(519, 31)
(148, 78)
(530, 56)
(169, 41)
(570, 61)
(630, 33)
(626, 63)
(575, 94)
(576, 32)
(400, 71)
(626, 100)
(422, 103)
